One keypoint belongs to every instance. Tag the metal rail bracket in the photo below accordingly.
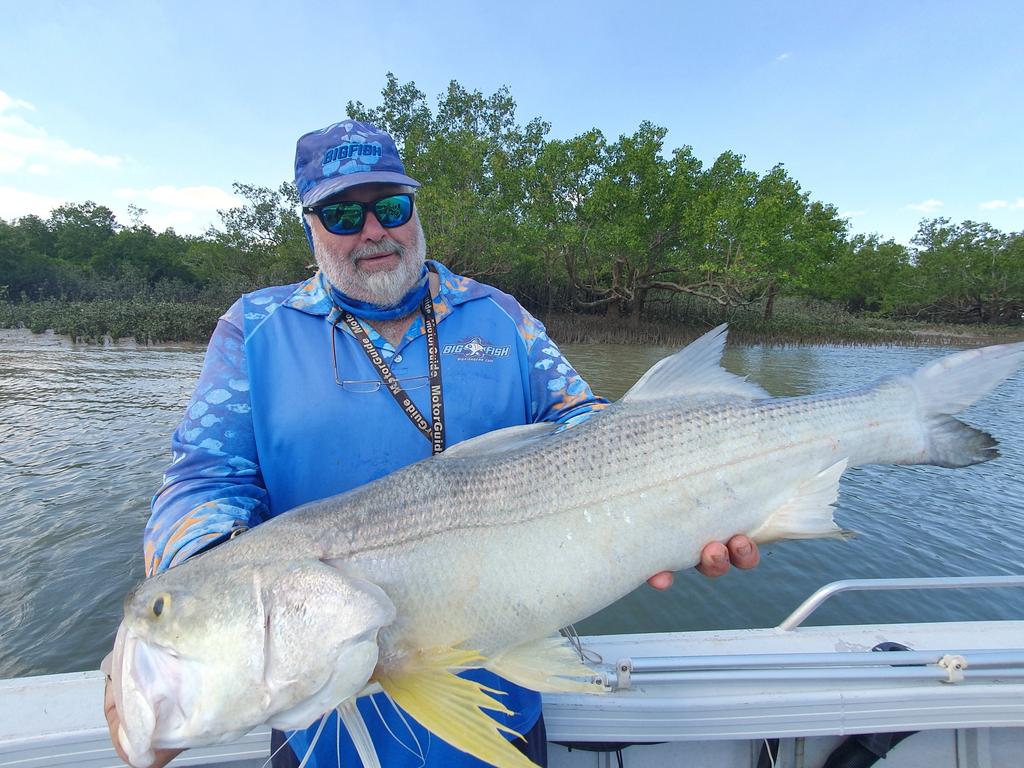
(954, 666)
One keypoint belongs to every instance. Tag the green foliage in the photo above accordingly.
(866, 274)
(474, 161)
(557, 225)
(587, 225)
(263, 241)
(80, 231)
(145, 320)
(968, 272)
(26, 264)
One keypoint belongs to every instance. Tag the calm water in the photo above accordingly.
(84, 437)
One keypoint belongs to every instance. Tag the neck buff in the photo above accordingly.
(405, 306)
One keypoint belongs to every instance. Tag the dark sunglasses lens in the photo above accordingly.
(393, 211)
(342, 218)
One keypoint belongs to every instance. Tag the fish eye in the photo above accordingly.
(160, 603)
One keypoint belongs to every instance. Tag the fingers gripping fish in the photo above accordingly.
(470, 559)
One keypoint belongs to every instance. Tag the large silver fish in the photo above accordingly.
(477, 556)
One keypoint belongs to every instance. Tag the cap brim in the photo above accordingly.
(332, 186)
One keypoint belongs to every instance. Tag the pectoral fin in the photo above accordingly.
(452, 707)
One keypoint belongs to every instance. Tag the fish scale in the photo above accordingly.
(681, 509)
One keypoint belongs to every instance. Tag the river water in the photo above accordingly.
(84, 438)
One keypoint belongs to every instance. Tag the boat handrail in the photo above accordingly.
(812, 603)
(908, 658)
(947, 666)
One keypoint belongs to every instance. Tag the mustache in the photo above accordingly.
(386, 245)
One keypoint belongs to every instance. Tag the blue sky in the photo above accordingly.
(892, 111)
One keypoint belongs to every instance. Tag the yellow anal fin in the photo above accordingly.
(452, 707)
(547, 665)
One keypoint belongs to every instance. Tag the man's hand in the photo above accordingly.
(163, 756)
(715, 559)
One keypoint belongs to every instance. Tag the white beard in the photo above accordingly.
(384, 288)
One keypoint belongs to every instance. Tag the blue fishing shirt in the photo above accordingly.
(269, 428)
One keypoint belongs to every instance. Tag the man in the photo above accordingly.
(377, 361)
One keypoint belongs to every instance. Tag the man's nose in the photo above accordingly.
(372, 230)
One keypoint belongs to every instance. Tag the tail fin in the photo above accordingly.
(952, 383)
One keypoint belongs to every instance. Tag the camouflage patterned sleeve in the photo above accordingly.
(557, 392)
(213, 486)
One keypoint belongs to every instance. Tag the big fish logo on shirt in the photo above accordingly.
(354, 155)
(476, 349)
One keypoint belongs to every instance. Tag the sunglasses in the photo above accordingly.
(348, 217)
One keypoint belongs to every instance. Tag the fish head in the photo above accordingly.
(205, 654)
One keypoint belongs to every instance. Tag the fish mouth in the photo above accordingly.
(154, 689)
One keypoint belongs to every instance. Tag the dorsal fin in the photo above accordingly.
(695, 370)
(500, 440)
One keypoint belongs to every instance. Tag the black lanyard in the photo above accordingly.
(434, 431)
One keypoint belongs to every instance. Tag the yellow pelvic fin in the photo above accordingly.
(452, 707)
(546, 665)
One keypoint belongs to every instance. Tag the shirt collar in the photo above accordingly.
(314, 298)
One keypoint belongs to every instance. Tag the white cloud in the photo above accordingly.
(182, 222)
(926, 207)
(201, 198)
(10, 163)
(6, 102)
(15, 203)
(784, 56)
(994, 204)
(189, 210)
(26, 147)
(851, 214)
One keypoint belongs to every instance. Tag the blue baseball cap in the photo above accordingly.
(344, 155)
